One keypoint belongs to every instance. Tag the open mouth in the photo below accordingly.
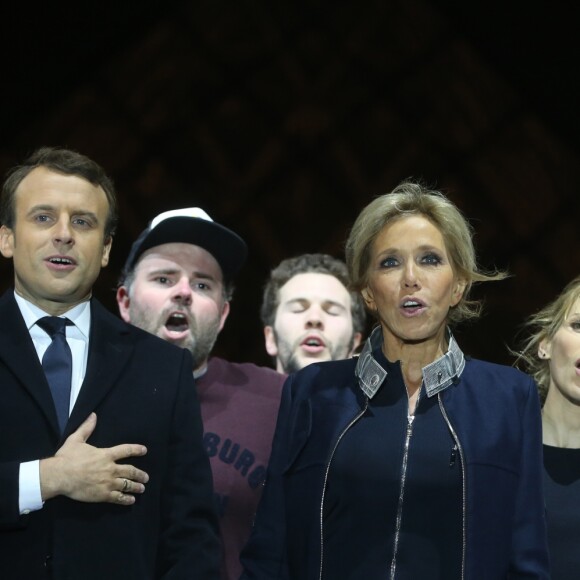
(61, 261)
(412, 306)
(177, 322)
(313, 344)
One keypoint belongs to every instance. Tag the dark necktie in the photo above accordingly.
(57, 365)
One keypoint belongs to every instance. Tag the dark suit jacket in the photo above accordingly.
(143, 392)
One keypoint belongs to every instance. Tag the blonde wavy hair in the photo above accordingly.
(543, 326)
(413, 198)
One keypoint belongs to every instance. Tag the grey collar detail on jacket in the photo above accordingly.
(437, 376)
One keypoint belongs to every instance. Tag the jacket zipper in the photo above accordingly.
(463, 480)
(352, 422)
(393, 566)
(409, 432)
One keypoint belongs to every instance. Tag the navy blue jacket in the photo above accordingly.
(494, 414)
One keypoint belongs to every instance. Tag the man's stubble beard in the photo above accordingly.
(199, 342)
(290, 361)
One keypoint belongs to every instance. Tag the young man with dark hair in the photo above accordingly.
(102, 469)
(309, 314)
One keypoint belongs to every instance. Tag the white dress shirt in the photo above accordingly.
(77, 337)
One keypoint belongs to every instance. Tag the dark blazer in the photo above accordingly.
(142, 391)
(494, 412)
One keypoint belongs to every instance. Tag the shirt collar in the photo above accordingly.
(80, 314)
(437, 375)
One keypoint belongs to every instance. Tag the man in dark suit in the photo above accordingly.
(118, 484)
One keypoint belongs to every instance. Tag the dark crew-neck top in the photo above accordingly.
(562, 493)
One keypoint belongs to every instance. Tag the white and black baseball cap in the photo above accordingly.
(191, 225)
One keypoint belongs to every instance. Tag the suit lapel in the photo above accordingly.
(17, 353)
(109, 351)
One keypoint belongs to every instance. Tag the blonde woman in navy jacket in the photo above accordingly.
(412, 461)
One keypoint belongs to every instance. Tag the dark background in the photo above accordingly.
(283, 119)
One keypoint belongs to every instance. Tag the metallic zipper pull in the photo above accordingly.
(453, 456)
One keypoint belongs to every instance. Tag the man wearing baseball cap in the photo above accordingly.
(177, 283)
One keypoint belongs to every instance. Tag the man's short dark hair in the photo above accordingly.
(306, 264)
(66, 162)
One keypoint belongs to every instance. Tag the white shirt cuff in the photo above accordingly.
(29, 496)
